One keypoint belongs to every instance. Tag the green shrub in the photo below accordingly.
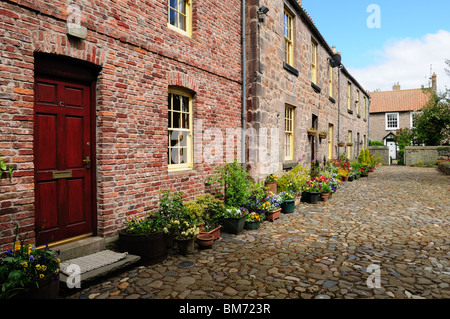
(293, 180)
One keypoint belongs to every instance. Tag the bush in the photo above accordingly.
(293, 180)
(376, 143)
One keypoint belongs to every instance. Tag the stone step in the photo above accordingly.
(78, 248)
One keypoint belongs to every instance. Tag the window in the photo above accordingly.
(413, 118)
(179, 13)
(392, 121)
(314, 62)
(365, 108)
(357, 102)
(349, 96)
(330, 141)
(288, 38)
(180, 130)
(289, 133)
(330, 81)
(349, 147)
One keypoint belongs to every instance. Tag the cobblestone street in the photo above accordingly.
(396, 221)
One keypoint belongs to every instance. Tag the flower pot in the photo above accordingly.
(272, 188)
(350, 178)
(215, 232)
(205, 240)
(252, 225)
(312, 132)
(288, 206)
(168, 238)
(186, 246)
(272, 216)
(372, 169)
(345, 178)
(341, 144)
(233, 225)
(322, 136)
(313, 198)
(324, 196)
(150, 247)
(48, 289)
(298, 200)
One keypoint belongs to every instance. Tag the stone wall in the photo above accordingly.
(377, 125)
(424, 154)
(272, 85)
(382, 151)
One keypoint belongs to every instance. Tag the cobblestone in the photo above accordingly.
(398, 218)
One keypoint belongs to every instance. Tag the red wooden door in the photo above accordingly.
(62, 155)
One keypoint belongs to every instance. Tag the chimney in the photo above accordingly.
(434, 82)
(396, 86)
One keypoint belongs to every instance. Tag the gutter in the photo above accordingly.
(244, 88)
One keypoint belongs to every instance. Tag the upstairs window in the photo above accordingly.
(392, 121)
(330, 81)
(314, 62)
(289, 133)
(365, 108)
(179, 13)
(349, 96)
(288, 38)
(357, 102)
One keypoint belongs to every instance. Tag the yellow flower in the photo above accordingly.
(16, 246)
(41, 276)
(24, 264)
(58, 260)
(44, 267)
(38, 267)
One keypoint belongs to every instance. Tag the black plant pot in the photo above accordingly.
(313, 198)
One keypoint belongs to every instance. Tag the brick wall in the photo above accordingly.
(140, 58)
(271, 86)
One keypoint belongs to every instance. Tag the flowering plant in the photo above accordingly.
(274, 201)
(182, 229)
(23, 266)
(252, 217)
(233, 212)
(287, 195)
(312, 186)
(153, 223)
(272, 178)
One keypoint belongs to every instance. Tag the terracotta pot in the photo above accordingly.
(205, 240)
(272, 188)
(272, 216)
(371, 169)
(345, 178)
(215, 232)
(324, 196)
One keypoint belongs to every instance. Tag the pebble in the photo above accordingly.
(320, 251)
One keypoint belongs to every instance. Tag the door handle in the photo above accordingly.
(87, 162)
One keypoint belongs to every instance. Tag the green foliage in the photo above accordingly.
(432, 125)
(6, 169)
(153, 223)
(376, 143)
(293, 180)
(403, 138)
(235, 182)
(171, 205)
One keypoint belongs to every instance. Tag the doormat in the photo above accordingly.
(91, 262)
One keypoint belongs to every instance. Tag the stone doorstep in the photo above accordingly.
(85, 247)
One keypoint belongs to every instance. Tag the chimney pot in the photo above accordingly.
(434, 82)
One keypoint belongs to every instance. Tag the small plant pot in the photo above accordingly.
(272, 216)
(313, 198)
(252, 225)
(205, 240)
(186, 246)
(272, 188)
(324, 196)
(215, 232)
(288, 206)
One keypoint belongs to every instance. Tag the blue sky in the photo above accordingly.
(412, 36)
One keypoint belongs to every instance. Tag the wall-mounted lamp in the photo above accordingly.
(262, 11)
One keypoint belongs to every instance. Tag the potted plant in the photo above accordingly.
(312, 189)
(288, 205)
(211, 211)
(29, 273)
(271, 184)
(325, 188)
(341, 144)
(145, 238)
(312, 132)
(323, 135)
(171, 206)
(349, 144)
(343, 174)
(233, 220)
(273, 207)
(184, 231)
(252, 221)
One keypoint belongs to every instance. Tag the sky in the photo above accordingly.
(383, 42)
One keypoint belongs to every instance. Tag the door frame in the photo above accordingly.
(70, 69)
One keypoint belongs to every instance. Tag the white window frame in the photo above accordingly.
(411, 114)
(398, 121)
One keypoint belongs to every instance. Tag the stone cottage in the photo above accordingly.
(393, 110)
(294, 84)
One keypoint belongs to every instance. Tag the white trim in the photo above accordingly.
(386, 121)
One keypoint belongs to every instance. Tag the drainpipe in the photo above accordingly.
(244, 89)
(339, 108)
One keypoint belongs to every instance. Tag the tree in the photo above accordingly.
(403, 138)
(432, 124)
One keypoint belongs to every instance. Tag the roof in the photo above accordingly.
(398, 101)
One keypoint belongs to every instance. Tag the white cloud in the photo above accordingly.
(408, 61)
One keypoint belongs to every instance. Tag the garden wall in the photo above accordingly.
(382, 151)
(424, 154)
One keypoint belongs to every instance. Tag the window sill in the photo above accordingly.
(332, 100)
(316, 88)
(289, 164)
(178, 30)
(289, 68)
(180, 170)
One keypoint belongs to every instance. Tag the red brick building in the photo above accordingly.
(101, 104)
